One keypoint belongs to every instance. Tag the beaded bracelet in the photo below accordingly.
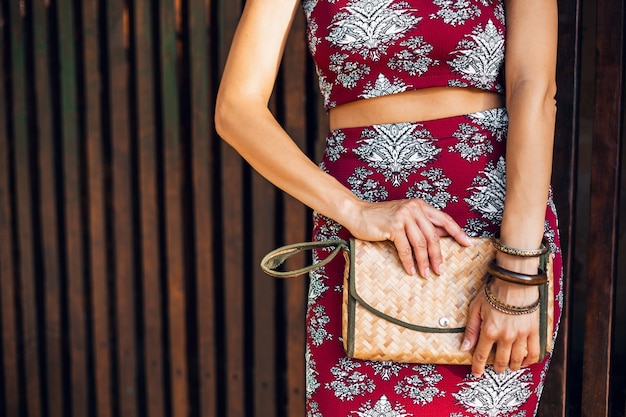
(502, 307)
(497, 271)
(524, 253)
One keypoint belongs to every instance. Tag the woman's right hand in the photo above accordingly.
(413, 225)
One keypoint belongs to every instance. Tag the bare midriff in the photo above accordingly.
(414, 106)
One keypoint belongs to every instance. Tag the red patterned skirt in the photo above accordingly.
(457, 165)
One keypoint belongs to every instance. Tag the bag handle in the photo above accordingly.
(278, 256)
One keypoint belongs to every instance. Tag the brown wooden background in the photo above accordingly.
(130, 234)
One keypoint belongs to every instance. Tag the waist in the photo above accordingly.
(413, 106)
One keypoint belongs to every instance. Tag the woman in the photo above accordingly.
(426, 104)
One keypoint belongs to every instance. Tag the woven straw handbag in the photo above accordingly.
(388, 315)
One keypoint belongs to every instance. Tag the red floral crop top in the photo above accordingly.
(371, 48)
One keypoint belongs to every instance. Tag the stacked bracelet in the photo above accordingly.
(524, 253)
(497, 271)
(506, 308)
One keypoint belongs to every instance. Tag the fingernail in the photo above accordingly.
(442, 269)
(413, 271)
(468, 240)
(427, 273)
(465, 346)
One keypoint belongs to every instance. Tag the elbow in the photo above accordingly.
(228, 115)
(235, 114)
(223, 117)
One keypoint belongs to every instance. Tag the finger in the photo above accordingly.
(472, 327)
(405, 253)
(446, 226)
(503, 355)
(482, 352)
(533, 349)
(420, 249)
(441, 232)
(430, 237)
(518, 354)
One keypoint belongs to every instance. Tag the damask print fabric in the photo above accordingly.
(457, 165)
(370, 48)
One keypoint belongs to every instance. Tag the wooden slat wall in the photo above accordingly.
(96, 202)
(10, 381)
(130, 234)
(151, 289)
(47, 124)
(232, 278)
(554, 402)
(602, 274)
(26, 312)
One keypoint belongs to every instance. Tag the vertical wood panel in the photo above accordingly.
(23, 148)
(158, 186)
(122, 200)
(176, 292)
(232, 235)
(72, 209)
(148, 180)
(554, 396)
(232, 276)
(97, 257)
(605, 174)
(269, 371)
(233, 273)
(201, 129)
(264, 299)
(294, 71)
(10, 379)
(10, 395)
(48, 214)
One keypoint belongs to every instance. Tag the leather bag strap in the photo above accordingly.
(278, 256)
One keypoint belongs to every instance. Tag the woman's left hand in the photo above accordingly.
(516, 337)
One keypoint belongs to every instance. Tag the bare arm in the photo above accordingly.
(530, 62)
(531, 88)
(244, 121)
